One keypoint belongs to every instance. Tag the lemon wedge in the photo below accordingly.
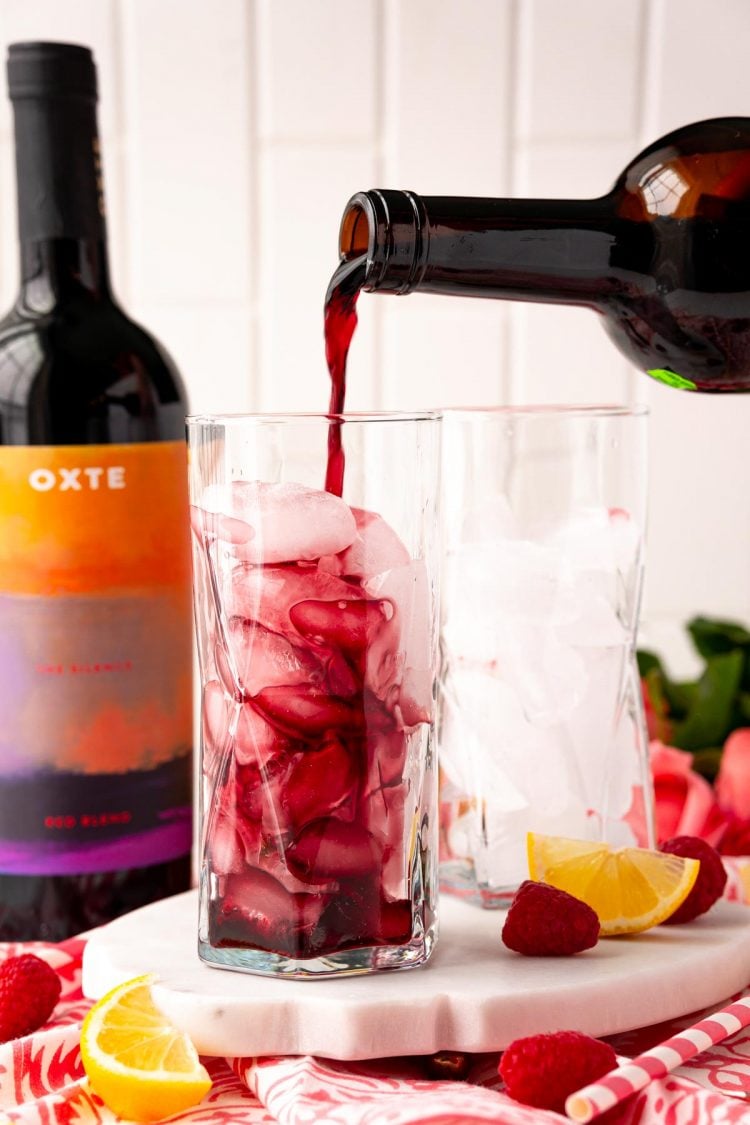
(631, 889)
(138, 1063)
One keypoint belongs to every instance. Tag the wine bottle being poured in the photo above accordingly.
(664, 257)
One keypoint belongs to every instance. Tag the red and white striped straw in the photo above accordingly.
(635, 1075)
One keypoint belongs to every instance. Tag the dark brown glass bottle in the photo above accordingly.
(664, 257)
(95, 616)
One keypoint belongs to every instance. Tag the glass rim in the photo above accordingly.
(303, 416)
(550, 410)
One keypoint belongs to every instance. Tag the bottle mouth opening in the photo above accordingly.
(354, 236)
(383, 230)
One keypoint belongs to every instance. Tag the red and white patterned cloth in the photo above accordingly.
(42, 1080)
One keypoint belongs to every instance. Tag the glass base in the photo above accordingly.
(347, 962)
(458, 878)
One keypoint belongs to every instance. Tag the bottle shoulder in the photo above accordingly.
(83, 371)
(95, 329)
(701, 171)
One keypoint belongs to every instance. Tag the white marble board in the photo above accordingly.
(473, 995)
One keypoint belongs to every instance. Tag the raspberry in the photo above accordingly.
(543, 1070)
(545, 922)
(708, 887)
(29, 990)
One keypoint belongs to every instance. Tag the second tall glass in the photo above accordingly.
(316, 621)
(541, 724)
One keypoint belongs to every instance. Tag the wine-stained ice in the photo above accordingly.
(312, 722)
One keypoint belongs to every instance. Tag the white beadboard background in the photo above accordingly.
(234, 131)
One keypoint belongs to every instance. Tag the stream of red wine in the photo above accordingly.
(340, 320)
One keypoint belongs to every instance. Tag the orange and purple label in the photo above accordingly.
(95, 657)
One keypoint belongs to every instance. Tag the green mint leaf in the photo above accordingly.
(647, 661)
(712, 706)
(742, 710)
(669, 697)
(712, 636)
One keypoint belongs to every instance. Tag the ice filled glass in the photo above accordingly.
(541, 725)
(317, 636)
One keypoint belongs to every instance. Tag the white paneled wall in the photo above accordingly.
(235, 132)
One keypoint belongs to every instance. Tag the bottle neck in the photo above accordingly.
(55, 269)
(534, 249)
(61, 220)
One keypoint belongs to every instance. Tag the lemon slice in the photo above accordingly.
(631, 889)
(141, 1066)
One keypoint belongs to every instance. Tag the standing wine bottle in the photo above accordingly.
(664, 257)
(95, 625)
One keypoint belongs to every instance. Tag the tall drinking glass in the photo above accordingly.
(317, 634)
(541, 721)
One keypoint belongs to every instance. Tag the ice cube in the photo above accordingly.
(470, 745)
(340, 677)
(258, 795)
(391, 816)
(627, 539)
(273, 859)
(487, 584)
(226, 669)
(471, 613)
(534, 723)
(502, 630)
(320, 782)
(232, 840)
(208, 524)
(350, 625)
(385, 753)
(334, 849)
(584, 540)
(498, 845)
(289, 522)
(255, 910)
(402, 654)
(264, 659)
(382, 813)
(216, 717)
(307, 711)
(226, 851)
(255, 740)
(491, 749)
(267, 594)
(596, 624)
(603, 734)
(376, 548)
(548, 677)
(600, 551)
(415, 698)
